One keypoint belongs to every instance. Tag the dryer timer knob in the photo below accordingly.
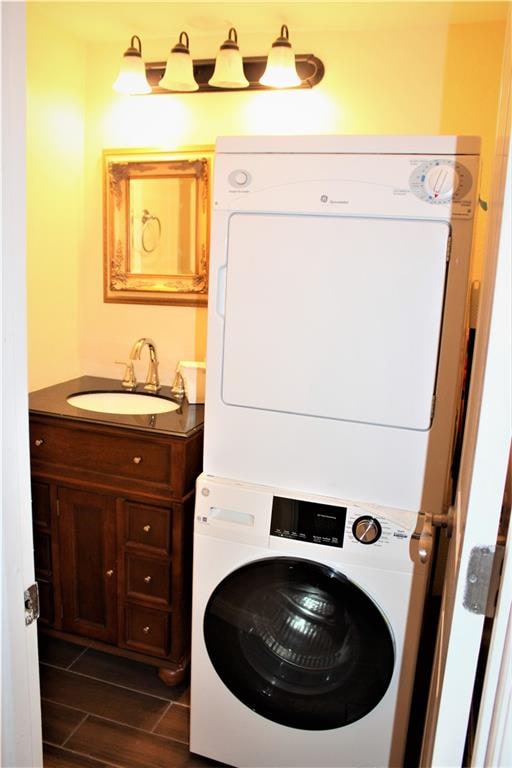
(366, 529)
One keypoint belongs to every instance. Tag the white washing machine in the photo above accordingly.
(306, 614)
(338, 290)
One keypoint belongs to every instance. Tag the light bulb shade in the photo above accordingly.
(229, 68)
(132, 73)
(281, 71)
(179, 72)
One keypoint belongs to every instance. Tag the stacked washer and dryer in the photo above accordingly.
(336, 327)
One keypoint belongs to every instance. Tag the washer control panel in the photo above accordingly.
(334, 526)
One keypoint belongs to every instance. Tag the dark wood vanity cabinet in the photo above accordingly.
(113, 516)
(88, 571)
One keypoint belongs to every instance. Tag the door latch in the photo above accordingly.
(31, 596)
(426, 537)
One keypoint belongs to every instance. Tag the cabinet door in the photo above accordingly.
(88, 563)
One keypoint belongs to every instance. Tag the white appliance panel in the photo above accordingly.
(367, 350)
(389, 573)
(272, 415)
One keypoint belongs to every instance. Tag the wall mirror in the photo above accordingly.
(156, 226)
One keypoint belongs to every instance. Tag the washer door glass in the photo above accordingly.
(299, 643)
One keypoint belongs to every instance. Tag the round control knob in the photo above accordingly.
(441, 181)
(241, 178)
(367, 530)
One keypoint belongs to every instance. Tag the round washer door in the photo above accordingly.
(299, 643)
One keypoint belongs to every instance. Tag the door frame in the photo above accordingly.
(21, 742)
(479, 497)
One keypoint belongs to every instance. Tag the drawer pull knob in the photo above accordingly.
(110, 573)
(39, 442)
(147, 528)
(148, 579)
(137, 459)
(146, 630)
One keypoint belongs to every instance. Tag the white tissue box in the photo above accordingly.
(194, 375)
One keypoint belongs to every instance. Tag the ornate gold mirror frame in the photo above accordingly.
(156, 226)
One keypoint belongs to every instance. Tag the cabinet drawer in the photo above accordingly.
(148, 579)
(146, 630)
(91, 450)
(148, 526)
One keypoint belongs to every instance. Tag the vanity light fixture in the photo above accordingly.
(229, 72)
(281, 71)
(132, 73)
(179, 71)
(229, 68)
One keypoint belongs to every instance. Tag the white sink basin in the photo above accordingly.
(122, 402)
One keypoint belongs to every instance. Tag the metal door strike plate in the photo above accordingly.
(31, 596)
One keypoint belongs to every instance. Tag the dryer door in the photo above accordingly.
(299, 643)
(334, 317)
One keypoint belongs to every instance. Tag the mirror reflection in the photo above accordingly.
(156, 226)
(157, 249)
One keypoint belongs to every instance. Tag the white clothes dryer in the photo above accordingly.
(338, 292)
(306, 614)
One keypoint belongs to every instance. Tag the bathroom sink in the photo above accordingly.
(122, 402)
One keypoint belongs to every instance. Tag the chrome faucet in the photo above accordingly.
(152, 382)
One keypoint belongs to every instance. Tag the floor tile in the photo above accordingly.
(58, 652)
(58, 721)
(175, 724)
(108, 741)
(131, 674)
(98, 698)
(56, 757)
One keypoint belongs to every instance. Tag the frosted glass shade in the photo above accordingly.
(179, 73)
(281, 71)
(229, 68)
(132, 73)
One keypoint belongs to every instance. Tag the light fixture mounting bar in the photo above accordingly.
(309, 68)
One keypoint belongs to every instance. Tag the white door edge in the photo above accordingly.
(21, 744)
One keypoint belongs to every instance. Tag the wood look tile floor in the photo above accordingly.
(103, 711)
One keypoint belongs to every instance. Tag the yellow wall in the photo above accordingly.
(416, 80)
(55, 202)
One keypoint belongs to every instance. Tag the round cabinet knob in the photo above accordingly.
(367, 530)
(110, 573)
(146, 630)
(147, 528)
(148, 579)
(137, 459)
(38, 442)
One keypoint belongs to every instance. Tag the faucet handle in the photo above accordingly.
(129, 381)
(178, 386)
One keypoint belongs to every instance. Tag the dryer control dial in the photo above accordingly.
(366, 529)
(440, 181)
